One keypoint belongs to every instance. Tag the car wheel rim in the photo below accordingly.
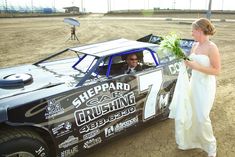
(20, 154)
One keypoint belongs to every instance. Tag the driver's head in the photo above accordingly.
(132, 60)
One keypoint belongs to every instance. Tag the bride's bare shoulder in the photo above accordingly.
(212, 47)
(213, 51)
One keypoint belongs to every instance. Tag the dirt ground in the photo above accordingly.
(26, 40)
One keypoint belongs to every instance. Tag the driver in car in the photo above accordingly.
(132, 65)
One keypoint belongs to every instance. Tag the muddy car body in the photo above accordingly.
(62, 106)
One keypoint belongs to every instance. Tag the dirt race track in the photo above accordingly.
(26, 40)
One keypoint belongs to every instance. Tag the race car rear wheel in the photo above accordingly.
(22, 143)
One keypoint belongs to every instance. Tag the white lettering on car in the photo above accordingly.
(88, 94)
(174, 68)
(163, 101)
(40, 152)
(86, 115)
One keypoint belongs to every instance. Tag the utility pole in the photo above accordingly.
(208, 15)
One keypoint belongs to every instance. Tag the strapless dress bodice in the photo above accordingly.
(200, 58)
(205, 61)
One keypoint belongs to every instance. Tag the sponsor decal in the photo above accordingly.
(164, 99)
(120, 106)
(109, 131)
(126, 124)
(101, 108)
(92, 142)
(53, 109)
(70, 152)
(91, 134)
(120, 126)
(175, 68)
(103, 121)
(40, 152)
(90, 93)
(86, 115)
(62, 129)
(69, 142)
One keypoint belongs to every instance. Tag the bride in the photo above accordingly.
(193, 127)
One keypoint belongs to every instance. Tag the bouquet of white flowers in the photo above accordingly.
(171, 43)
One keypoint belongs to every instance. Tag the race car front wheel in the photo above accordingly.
(22, 143)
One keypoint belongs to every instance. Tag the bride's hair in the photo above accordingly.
(205, 25)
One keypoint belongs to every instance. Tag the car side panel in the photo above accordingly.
(87, 116)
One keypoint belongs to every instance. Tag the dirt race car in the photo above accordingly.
(64, 105)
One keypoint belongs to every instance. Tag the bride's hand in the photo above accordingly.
(191, 64)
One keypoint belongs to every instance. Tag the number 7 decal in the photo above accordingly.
(151, 82)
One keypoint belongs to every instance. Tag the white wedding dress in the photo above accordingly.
(190, 107)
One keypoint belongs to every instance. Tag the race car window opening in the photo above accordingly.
(80, 59)
(90, 68)
(117, 63)
(88, 77)
(149, 58)
(93, 74)
(85, 63)
(101, 68)
(140, 50)
(92, 63)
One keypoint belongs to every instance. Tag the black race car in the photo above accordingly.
(78, 98)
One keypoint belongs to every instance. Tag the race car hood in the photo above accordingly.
(36, 78)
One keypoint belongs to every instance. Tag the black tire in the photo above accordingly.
(22, 143)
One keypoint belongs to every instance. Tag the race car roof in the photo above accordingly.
(111, 47)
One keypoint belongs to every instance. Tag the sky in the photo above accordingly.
(102, 6)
